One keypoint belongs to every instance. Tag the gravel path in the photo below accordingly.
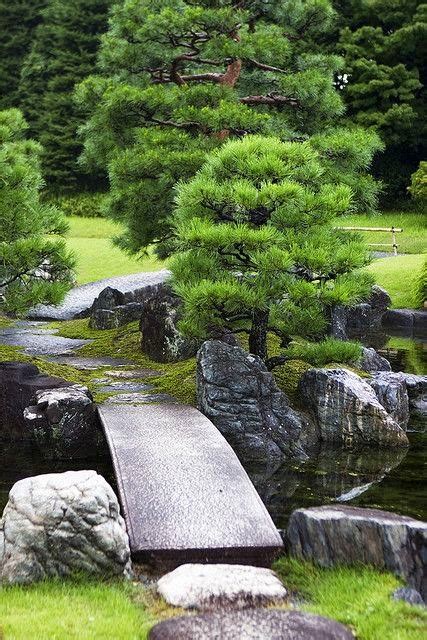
(81, 298)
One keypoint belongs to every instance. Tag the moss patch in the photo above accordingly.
(359, 597)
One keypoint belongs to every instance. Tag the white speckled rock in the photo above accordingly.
(211, 586)
(390, 389)
(347, 410)
(60, 523)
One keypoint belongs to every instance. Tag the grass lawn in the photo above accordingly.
(397, 275)
(414, 225)
(357, 597)
(97, 257)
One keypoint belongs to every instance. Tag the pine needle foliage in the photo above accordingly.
(258, 247)
(34, 268)
(177, 78)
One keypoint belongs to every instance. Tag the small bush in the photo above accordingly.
(418, 187)
(83, 205)
(421, 286)
(325, 352)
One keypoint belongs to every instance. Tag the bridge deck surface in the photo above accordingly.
(184, 494)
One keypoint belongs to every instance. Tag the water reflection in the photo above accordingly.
(388, 479)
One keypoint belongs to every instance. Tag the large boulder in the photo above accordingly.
(336, 535)
(115, 317)
(19, 382)
(347, 411)
(213, 586)
(240, 396)
(251, 624)
(360, 319)
(406, 321)
(390, 389)
(417, 393)
(161, 339)
(64, 423)
(60, 524)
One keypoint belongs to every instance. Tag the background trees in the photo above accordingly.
(384, 44)
(62, 53)
(259, 252)
(33, 268)
(180, 77)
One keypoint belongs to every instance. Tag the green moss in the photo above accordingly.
(288, 376)
(5, 321)
(359, 597)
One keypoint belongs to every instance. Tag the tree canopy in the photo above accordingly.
(34, 268)
(177, 78)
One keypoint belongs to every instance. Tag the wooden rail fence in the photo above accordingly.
(392, 230)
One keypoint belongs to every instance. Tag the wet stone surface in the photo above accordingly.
(141, 398)
(89, 364)
(129, 387)
(36, 339)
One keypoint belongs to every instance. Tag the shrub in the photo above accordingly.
(83, 205)
(418, 187)
(421, 286)
(326, 352)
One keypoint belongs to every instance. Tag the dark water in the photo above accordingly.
(394, 480)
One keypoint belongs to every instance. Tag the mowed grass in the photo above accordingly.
(97, 258)
(413, 239)
(358, 597)
(398, 275)
(55, 610)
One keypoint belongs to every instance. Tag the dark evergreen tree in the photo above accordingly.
(385, 49)
(18, 19)
(181, 76)
(62, 54)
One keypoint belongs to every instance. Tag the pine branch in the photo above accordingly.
(272, 99)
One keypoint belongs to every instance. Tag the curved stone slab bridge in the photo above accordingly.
(184, 494)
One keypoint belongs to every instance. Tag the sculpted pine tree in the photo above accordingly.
(63, 52)
(33, 268)
(258, 249)
(178, 78)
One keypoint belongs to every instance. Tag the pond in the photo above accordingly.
(394, 480)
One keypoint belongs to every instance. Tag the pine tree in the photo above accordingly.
(178, 77)
(258, 249)
(33, 268)
(384, 44)
(18, 20)
(62, 54)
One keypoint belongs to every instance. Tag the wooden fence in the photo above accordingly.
(392, 230)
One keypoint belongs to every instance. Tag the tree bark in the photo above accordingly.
(258, 333)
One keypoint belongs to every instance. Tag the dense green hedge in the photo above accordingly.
(83, 205)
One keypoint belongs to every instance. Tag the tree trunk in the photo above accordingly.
(258, 334)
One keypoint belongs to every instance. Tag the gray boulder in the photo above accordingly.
(251, 624)
(417, 393)
(336, 535)
(409, 595)
(347, 411)
(213, 586)
(406, 321)
(240, 396)
(64, 423)
(390, 389)
(115, 317)
(59, 524)
(372, 361)
(161, 339)
(108, 299)
(360, 319)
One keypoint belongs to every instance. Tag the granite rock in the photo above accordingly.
(372, 361)
(59, 524)
(347, 410)
(64, 423)
(417, 393)
(360, 319)
(390, 389)
(334, 535)
(251, 624)
(214, 586)
(240, 396)
(161, 339)
(409, 595)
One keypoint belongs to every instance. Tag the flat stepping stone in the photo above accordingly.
(80, 299)
(89, 364)
(111, 387)
(213, 586)
(133, 373)
(38, 342)
(251, 624)
(141, 398)
(185, 496)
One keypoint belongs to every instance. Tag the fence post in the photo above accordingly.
(393, 237)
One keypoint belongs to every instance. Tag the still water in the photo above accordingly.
(394, 480)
